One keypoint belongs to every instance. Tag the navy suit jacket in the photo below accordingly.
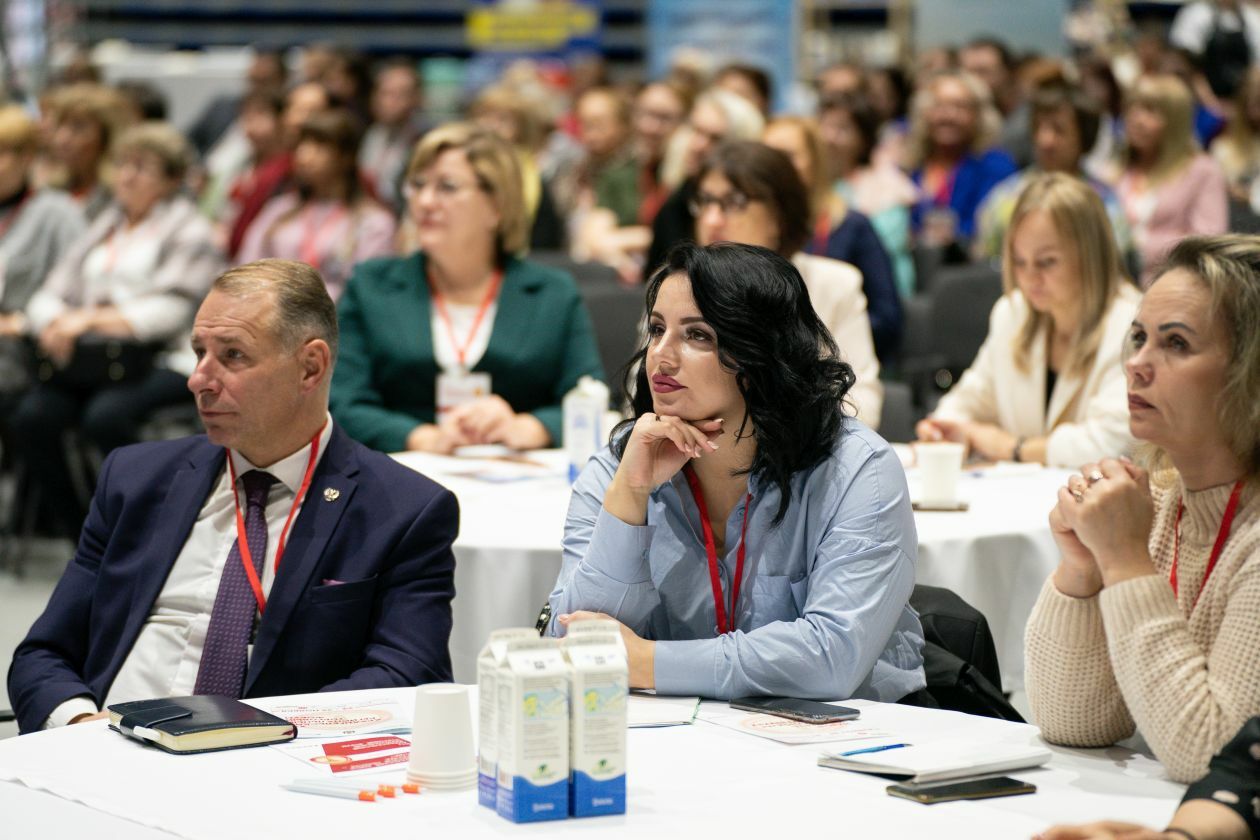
(384, 540)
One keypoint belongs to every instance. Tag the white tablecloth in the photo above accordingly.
(995, 555)
(689, 781)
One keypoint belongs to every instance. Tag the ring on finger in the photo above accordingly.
(1094, 477)
(1078, 495)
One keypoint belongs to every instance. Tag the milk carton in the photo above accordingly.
(533, 741)
(583, 410)
(605, 626)
(488, 662)
(599, 686)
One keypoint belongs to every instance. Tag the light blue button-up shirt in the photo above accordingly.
(823, 609)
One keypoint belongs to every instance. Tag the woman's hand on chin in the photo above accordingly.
(661, 444)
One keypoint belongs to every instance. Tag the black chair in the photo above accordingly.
(582, 272)
(959, 656)
(6, 715)
(616, 312)
(958, 321)
(897, 417)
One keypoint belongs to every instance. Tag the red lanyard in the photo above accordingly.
(1226, 521)
(461, 351)
(315, 235)
(710, 548)
(822, 233)
(247, 559)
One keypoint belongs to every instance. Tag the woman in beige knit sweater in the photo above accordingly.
(1152, 619)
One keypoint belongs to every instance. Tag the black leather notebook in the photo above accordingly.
(204, 723)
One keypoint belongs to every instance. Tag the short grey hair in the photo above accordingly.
(303, 308)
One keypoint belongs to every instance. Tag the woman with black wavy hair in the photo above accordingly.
(750, 536)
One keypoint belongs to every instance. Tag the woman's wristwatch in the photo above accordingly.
(1017, 452)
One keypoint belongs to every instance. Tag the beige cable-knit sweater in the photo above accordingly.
(1135, 654)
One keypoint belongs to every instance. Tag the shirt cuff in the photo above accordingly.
(69, 710)
(619, 550)
(686, 667)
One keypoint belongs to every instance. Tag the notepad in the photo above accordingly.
(198, 724)
(940, 761)
(651, 710)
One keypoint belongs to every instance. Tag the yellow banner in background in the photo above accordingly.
(547, 25)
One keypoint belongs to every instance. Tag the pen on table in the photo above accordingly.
(874, 749)
(325, 789)
(382, 788)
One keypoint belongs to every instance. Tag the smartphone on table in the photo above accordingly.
(930, 794)
(806, 711)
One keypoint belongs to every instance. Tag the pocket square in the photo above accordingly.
(332, 582)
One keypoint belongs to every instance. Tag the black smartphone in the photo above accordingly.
(929, 794)
(807, 711)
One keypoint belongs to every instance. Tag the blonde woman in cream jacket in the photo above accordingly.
(1065, 314)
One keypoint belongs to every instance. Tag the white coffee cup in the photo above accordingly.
(441, 735)
(940, 465)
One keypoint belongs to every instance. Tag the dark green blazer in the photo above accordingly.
(384, 383)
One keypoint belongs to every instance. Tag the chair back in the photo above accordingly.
(959, 656)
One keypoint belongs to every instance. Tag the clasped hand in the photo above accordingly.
(1102, 524)
(486, 420)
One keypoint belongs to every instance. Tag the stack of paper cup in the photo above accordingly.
(442, 756)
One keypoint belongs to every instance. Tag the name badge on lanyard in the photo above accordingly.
(460, 388)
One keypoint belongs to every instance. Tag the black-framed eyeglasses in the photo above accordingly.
(732, 202)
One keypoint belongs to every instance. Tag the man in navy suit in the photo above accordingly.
(273, 555)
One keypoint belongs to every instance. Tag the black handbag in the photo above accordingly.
(100, 361)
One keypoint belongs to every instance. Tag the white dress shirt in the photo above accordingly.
(167, 653)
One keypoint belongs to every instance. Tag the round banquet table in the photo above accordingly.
(996, 554)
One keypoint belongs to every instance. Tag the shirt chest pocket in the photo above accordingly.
(775, 598)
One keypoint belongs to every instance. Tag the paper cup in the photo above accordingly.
(441, 736)
(940, 464)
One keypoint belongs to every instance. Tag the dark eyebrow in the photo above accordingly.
(694, 319)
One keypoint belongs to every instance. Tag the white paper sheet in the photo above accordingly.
(647, 710)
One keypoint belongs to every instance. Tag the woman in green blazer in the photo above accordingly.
(462, 342)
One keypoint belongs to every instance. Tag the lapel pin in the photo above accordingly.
(331, 494)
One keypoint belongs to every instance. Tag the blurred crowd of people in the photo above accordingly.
(113, 223)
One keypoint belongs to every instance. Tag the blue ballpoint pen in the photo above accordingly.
(873, 749)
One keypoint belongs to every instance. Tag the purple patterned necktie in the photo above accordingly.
(225, 656)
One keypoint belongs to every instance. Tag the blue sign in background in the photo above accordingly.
(762, 33)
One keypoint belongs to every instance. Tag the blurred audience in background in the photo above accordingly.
(328, 220)
(1169, 187)
(396, 125)
(112, 319)
(953, 157)
(841, 233)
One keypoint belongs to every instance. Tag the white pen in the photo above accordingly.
(380, 787)
(325, 789)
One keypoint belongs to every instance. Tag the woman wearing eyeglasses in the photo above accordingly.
(751, 193)
(461, 342)
(1149, 621)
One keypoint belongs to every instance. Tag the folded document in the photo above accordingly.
(940, 761)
